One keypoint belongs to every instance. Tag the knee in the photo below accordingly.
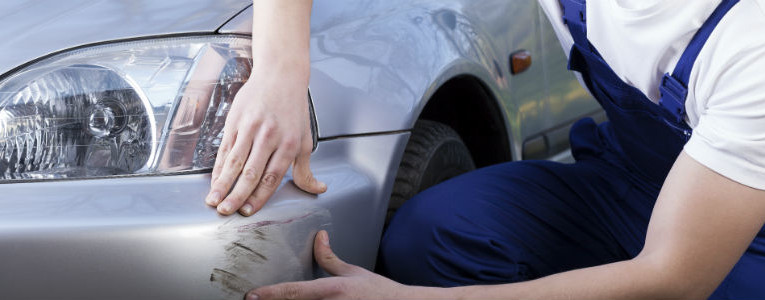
(410, 228)
(452, 234)
(433, 252)
(409, 240)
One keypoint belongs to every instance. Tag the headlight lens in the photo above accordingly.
(141, 107)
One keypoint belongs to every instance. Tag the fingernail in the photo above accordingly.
(225, 207)
(252, 296)
(213, 199)
(325, 238)
(247, 209)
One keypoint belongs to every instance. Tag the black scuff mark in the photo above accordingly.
(232, 283)
(242, 256)
(237, 249)
(244, 253)
(259, 235)
(254, 226)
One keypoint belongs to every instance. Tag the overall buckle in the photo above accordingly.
(673, 94)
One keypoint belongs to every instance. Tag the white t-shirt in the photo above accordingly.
(643, 39)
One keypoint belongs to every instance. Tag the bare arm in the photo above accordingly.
(268, 129)
(701, 225)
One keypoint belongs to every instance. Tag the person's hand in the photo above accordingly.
(266, 131)
(352, 282)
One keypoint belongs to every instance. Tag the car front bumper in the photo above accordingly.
(154, 238)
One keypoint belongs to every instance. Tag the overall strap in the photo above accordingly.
(674, 88)
(575, 18)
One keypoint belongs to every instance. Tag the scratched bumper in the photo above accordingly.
(154, 238)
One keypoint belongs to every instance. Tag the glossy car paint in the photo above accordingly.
(375, 64)
(154, 238)
(32, 29)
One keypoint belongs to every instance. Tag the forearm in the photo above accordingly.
(281, 35)
(632, 279)
(701, 225)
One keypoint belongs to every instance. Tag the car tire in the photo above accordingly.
(434, 153)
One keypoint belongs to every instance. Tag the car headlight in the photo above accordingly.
(143, 107)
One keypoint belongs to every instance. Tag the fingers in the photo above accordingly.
(303, 177)
(248, 180)
(269, 182)
(229, 138)
(252, 160)
(231, 168)
(328, 260)
(314, 289)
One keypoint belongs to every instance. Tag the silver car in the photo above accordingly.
(111, 112)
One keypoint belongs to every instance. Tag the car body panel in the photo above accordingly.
(374, 66)
(365, 81)
(154, 238)
(362, 80)
(33, 29)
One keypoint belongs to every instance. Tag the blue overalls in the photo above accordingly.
(524, 220)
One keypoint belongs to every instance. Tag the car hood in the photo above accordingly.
(32, 29)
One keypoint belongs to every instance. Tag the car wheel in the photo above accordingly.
(434, 153)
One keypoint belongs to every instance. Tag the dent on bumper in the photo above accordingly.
(154, 238)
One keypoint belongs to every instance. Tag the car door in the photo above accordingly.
(568, 101)
(548, 97)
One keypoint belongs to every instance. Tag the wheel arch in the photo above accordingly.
(468, 105)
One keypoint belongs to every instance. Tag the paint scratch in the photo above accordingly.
(230, 281)
(233, 247)
(248, 227)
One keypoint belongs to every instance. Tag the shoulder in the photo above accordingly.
(726, 100)
(734, 52)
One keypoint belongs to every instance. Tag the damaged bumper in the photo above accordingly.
(154, 238)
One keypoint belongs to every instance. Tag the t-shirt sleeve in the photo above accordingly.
(729, 136)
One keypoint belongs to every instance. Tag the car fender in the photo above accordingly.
(375, 64)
